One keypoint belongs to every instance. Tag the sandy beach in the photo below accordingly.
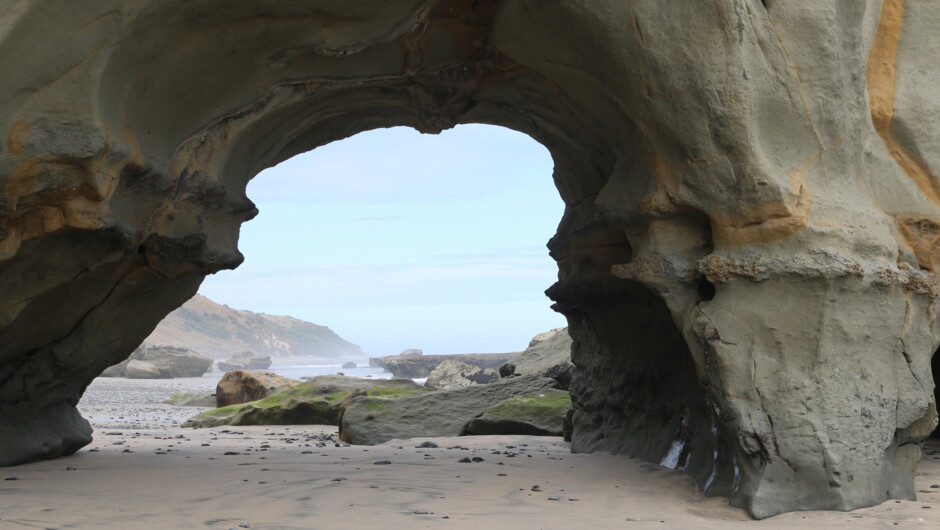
(144, 471)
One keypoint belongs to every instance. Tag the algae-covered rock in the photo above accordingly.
(313, 402)
(537, 414)
(374, 420)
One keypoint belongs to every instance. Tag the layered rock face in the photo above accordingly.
(746, 261)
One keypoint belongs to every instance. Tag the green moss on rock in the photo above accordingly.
(314, 402)
(540, 413)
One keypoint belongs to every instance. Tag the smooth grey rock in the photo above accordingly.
(160, 362)
(137, 369)
(35, 435)
(374, 420)
(173, 361)
(451, 374)
(747, 255)
(548, 355)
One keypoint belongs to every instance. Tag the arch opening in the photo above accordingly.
(399, 240)
(701, 175)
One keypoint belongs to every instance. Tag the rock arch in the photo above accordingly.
(746, 258)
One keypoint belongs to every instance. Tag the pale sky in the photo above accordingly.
(398, 240)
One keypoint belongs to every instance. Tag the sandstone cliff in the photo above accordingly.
(219, 332)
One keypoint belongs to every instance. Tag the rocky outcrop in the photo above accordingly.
(217, 330)
(548, 355)
(747, 256)
(245, 360)
(242, 386)
(450, 374)
(537, 414)
(374, 420)
(349, 365)
(418, 366)
(160, 362)
(316, 401)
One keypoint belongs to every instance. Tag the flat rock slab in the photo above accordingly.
(374, 420)
(537, 414)
(313, 402)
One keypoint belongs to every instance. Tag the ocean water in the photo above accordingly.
(300, 368)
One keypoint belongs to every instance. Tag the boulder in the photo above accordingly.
(242, 386)
(373, 420)
(537, 414)
(245, 360)
(348, 365)
(173, 361)
(449, 374)
(136, 369)
(548, 354)
(160, 362)
(314, 402)
(411, 352)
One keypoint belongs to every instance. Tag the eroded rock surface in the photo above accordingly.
(451, 374)
(747, 258)
(548, 355)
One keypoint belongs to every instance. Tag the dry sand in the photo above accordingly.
(142, 471)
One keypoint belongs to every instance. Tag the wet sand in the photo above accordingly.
(143, 471)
